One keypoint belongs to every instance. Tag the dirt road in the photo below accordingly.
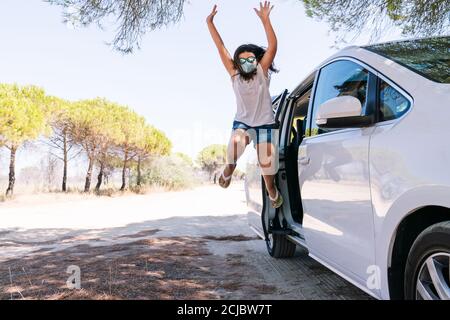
(180, 245)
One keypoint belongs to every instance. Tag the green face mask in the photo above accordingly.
(248, 65)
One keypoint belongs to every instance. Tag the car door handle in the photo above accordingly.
(304, 161)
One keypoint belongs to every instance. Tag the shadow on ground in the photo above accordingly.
(204, 257)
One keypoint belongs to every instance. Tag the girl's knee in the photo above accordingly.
(240, 137)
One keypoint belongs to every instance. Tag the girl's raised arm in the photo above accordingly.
(223, 52)
(263, 13)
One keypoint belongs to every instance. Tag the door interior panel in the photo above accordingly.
(295, 137)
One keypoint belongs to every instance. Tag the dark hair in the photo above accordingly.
(258, 51)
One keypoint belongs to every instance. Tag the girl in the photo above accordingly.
(254, 119)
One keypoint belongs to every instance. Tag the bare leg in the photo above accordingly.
(238, 141)
(270, 185)
(266, 158)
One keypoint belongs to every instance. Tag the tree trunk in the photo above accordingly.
(124, 171)
(129, 177)
(100, 176)
(12, 173)
(87, 184)
(139, 172)
(64, 181)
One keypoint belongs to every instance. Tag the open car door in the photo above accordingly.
(256, 195)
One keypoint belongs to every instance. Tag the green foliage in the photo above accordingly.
(153, 142)
(170, 172)
(212, 157)
(352, 17)
(95, 122)
(59, 112)
(133, 17)
(22, 114)
(185, 158)
(132, 127)
(161, 145)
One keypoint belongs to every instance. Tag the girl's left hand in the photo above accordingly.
(210, 18)
(264, 11)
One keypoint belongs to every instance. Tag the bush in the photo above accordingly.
(170, 172)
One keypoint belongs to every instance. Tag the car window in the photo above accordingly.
(276, 102)
(340, 78)
(392, 103)
(300, 109)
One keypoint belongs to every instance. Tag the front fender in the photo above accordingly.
(388, 220)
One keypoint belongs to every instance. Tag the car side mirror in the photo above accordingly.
(342, 112)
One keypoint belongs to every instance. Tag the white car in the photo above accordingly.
(365, 169)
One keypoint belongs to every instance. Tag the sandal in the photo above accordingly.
(224, 182)
(278, 201)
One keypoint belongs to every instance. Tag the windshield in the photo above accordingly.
(428, 57)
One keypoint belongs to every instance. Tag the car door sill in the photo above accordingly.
(298, 238)
(297, 228)
(344, 276)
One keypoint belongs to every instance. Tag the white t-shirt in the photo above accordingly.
(253, 100)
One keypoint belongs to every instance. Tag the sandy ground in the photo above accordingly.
(193, 244)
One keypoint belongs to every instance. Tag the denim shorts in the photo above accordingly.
(259, 134)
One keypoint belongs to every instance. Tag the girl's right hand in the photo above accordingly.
(264, 10)
(210, 18)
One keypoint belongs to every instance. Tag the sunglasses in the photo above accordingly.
(250, 59)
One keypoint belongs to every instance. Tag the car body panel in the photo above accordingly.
(335, 189)
(408, 166)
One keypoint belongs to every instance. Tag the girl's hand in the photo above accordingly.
(264, 11)
(210, 18)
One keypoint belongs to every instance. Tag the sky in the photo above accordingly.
(176, 80)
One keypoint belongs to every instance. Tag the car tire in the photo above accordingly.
(277, 244)
(427, 274)
(282, 247)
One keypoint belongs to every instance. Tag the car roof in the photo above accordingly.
(381, 64)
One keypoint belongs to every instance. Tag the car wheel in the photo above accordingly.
(427, 273)
(277, 244)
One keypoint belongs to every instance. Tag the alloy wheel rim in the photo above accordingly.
(269, 240)
(433, 280)
(269, 234)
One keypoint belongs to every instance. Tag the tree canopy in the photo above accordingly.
(22, 114)
(153, 142)
(133, 18)
(212, 157)
(22, 118)
(352, 17)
